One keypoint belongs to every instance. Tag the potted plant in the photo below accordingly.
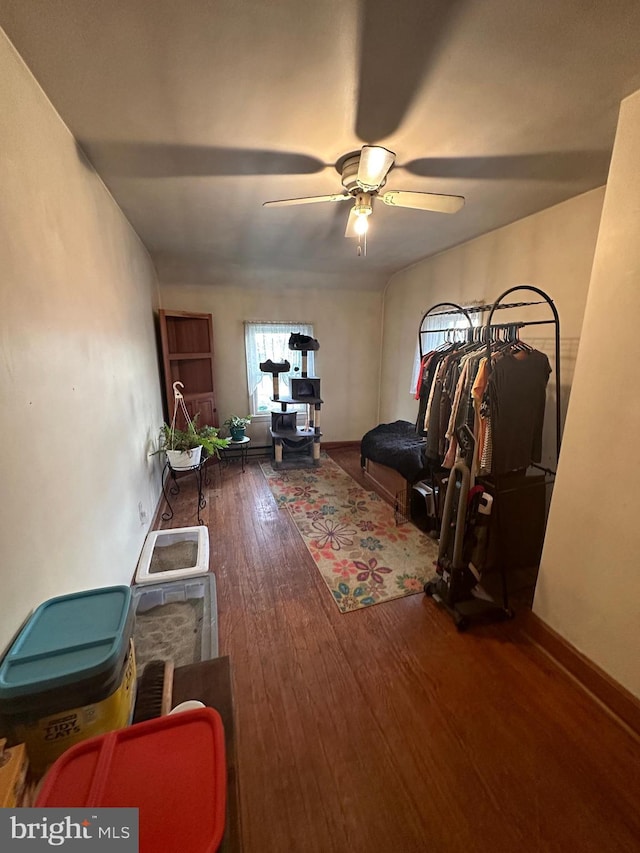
(184, 446)
(237, 426)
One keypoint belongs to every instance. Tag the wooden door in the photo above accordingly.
(187, 354)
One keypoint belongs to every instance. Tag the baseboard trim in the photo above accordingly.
(156, 521)
(155, 525)
(616, 698)
(340, 445)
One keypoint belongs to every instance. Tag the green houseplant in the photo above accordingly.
(184, 446)
(237, 426)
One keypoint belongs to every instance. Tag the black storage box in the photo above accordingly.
(304, 389)
(283, 421)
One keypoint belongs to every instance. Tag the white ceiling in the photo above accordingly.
(196, 112)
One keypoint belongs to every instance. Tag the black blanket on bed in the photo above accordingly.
(397, 446)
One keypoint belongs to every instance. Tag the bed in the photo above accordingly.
(392, 457)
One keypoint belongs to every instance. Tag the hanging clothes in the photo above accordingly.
(502, 404)
(494, 407)
(430, 365)
(516, 392)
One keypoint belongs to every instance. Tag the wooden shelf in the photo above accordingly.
(184, 356)
(289, 401)
(295, 433)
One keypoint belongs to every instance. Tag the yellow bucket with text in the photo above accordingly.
(47, 737)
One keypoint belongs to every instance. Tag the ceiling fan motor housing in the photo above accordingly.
(350, 174)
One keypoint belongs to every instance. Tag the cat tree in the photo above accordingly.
(288, 438)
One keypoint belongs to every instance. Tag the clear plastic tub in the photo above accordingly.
(201, 591)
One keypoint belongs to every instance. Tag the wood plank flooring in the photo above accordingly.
(387, 730)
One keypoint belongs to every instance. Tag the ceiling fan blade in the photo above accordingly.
(537, 165)
(423, 201)
(314, 199)
(375, 162)
(166, 160)
(350, 230)
(398, 44)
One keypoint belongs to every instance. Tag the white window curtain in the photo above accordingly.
(432, 339)
(264, 341)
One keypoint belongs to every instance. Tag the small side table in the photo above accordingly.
(240, 447)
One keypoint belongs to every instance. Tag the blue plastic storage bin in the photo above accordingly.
(71, 642)
(70, 672)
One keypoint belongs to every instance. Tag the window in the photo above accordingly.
(436, 329)
(264, 341)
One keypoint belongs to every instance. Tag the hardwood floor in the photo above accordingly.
(387, 730)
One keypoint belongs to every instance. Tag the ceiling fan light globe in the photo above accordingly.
(375, 162)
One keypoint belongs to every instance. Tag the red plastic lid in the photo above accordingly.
(172, 768)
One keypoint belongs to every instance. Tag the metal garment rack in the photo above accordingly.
(458, 309)
(446, 593)
(498, 305)
(516, 326)
(555, 321)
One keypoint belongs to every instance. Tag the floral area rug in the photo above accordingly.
(363, 557)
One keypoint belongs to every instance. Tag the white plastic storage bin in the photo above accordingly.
(148, 597)
(167, 555)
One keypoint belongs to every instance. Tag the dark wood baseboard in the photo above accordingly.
(616, 698)
(156, 522)
(341, 445)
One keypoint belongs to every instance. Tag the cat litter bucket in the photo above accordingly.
(171, 768)
(70, 674)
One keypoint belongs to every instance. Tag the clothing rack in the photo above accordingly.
(488, 328)
(457, 309)
(555, 321)
(450, 593)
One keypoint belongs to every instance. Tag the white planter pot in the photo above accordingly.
(181, 459)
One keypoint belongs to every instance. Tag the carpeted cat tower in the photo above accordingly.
(294, 446)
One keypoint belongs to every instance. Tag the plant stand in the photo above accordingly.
(236, 448)
(174, 488)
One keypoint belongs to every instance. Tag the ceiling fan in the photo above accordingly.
(363, 174)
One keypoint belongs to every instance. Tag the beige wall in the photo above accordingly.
(552, 250)
(589, 584)
(346, 323)
(78, 371)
